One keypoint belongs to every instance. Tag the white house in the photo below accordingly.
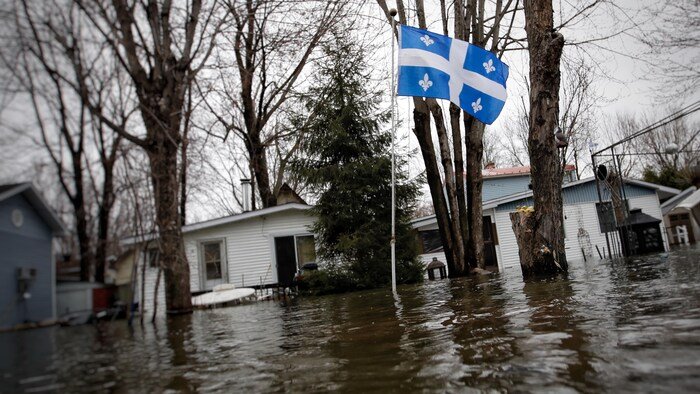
(583, 214)
(262, 247)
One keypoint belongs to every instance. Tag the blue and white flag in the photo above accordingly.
(433, 65)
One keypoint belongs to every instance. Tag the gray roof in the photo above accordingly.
(32, 195)
(493, 203)
(221, 221)
(671, 203)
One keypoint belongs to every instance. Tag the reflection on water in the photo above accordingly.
(627, 325)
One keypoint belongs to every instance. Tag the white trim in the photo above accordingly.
(223, 260)
(273, 249)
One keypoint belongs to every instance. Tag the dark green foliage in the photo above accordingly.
(347, 163)
(668, 176)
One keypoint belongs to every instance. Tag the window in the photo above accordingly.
(306, 250)
(211, 255)
(606, 216)
(152, 256)
(431, 241)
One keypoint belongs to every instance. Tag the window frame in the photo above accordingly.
(202, 264)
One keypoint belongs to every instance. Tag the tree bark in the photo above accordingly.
(163, 157)
(450, 187)
(421, 119)
(475, 152)
(546, 223)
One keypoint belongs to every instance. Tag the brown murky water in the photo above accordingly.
(623, 326)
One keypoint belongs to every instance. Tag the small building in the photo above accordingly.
(586, 220)
(264, 247)
(682, 216)
(27, 267)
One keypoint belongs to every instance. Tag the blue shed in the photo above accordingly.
(27, 268)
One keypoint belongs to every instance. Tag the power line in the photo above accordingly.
(692, 108)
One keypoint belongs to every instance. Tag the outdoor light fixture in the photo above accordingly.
(671, 149)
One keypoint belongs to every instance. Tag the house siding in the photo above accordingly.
(585, 192)
(28, 246)
(249, 251)
(577, 216)
(504, 186)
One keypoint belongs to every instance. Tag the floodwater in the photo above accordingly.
(623, 326)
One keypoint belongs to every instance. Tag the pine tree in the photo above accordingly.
(347, 163)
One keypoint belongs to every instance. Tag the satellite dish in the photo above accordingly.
(601, 172)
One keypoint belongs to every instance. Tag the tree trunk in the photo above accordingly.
(421, 119)
(546, 223)
(103, 222)
(539, 261)
(258, 159)
(163, 156)
(460, 176)
(81, 228)
(460, 267)
(475, 152)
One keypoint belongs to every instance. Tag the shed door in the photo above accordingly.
(489, 243)
(285, 253)
(213, 264)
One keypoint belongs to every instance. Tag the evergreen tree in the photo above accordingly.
(347, 163)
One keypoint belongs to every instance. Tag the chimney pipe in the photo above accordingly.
(246, 191)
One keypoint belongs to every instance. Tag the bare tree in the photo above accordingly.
(540, 235)
(81, 150)
(672, 38)
(162, 47)
(459, 210)
(578, 107)
(246, 93)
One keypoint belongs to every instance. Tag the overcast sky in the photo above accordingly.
(624, 78)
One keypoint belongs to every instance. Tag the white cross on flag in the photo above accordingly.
(437, 66)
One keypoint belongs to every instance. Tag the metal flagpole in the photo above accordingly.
(393, 13)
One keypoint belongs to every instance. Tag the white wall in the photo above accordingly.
(577, 216)
(249, 246)
(249, 249)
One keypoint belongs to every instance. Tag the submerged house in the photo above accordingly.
(27, 267)
(586, 220)
(254, 248)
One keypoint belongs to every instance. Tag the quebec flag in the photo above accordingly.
(437, 66)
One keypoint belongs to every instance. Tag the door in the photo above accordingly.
(213, 264)
(489, 243)
(285, 254)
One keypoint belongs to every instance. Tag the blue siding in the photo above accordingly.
(505, 186)
(585, 192)
(28, 246)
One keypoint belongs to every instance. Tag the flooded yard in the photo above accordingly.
(629, 325)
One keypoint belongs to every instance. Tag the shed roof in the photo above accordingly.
(672, 202)
(221, 221)
(691, 201)
(435, 264)
(28, 191)
(662, 191)
(638, 217)
(511, 171)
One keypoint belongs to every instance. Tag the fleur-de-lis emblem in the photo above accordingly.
(476, 105)
(427, 40)
(488, 66)
(425, 83)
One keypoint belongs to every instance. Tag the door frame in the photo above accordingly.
(273, 251)
(201, 262)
